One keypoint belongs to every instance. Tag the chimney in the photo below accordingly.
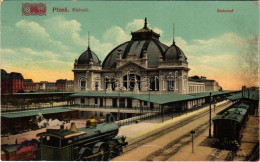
(73, 127)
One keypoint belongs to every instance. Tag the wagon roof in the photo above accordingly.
(242, 105)
(236, 114)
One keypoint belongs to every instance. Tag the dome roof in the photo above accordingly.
(143, 39)
(86, 56)
(155, 49)
(174, 53)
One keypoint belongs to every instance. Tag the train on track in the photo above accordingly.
(98, 142)
(229, 125)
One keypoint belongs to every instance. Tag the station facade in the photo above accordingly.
(140, 66)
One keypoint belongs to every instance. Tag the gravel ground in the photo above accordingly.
(143, 151)
(204, 152)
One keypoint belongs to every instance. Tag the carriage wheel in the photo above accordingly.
(104, 155)
(119, 150)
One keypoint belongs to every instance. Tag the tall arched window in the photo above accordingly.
(129, 81)
(154, 84)
(170, 85)
(83, 85)
(96, 86)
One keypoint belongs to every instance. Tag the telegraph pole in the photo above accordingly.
(210, 114)
(162, 112)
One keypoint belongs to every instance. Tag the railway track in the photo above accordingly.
(215, 155)
(231, 155)
(170, 128)
(173, 147)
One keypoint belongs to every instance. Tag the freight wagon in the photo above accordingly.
(229, 126)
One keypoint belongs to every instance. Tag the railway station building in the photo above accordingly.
(137, 73)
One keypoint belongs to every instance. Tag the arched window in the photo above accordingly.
(83, 85)
(170, 85)
(130, 81)
(154, 84)
(96, 86)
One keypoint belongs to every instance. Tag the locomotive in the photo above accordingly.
(98, 142)
(229, 126)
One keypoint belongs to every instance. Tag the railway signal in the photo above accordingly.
(192, 139)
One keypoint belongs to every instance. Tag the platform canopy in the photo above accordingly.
(35, 112)
(154, 98)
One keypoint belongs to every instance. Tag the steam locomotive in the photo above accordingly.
(97, 142)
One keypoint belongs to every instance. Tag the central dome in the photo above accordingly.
(155, 49)
(143, 39)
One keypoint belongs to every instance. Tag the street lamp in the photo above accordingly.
(120, 90)
(210, 97)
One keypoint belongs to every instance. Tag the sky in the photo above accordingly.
(220, 46)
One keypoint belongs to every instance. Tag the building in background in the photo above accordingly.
(196, 87)
(4, 81)
(51, 87)
(41, 86)
(11, 82)
(210, 84)
(70, 86)
(61, 84)
(29, 85)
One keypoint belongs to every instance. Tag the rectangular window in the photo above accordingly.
(121, 102)
(151, 105)
(96, 100)
(114, 102)
(145, 103)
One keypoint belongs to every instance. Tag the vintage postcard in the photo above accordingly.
(129, 80)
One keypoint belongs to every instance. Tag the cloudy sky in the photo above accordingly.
(220, 46)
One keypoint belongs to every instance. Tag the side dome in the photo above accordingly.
(174, 53)
(142, 40)
(88, 56)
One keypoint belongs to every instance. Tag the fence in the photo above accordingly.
(40, 107)
(121, 108)
(136, 119)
